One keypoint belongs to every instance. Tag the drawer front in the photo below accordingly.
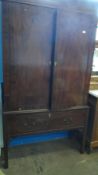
(69, 119)
(21, 124)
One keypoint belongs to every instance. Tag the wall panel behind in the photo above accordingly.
(1, 78)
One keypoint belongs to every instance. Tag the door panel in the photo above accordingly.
(28, 33)
(73, 50)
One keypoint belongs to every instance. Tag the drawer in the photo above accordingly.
(69, 119)
(21, 124)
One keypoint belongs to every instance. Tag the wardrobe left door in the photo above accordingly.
(27, 51)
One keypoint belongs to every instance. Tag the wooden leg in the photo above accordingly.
(83, 144)
(89, 148)
(4, 154)
(5, 158)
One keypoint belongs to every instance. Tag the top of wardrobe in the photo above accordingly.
(80, 5)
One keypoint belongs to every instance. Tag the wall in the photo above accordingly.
(1, 79)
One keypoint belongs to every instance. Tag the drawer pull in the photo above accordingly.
(68, 120)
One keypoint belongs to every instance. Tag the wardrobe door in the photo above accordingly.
(27, 36)
(73, 56)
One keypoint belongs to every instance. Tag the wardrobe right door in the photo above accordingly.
(75, 39)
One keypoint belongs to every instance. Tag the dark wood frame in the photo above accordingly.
(92, 140)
